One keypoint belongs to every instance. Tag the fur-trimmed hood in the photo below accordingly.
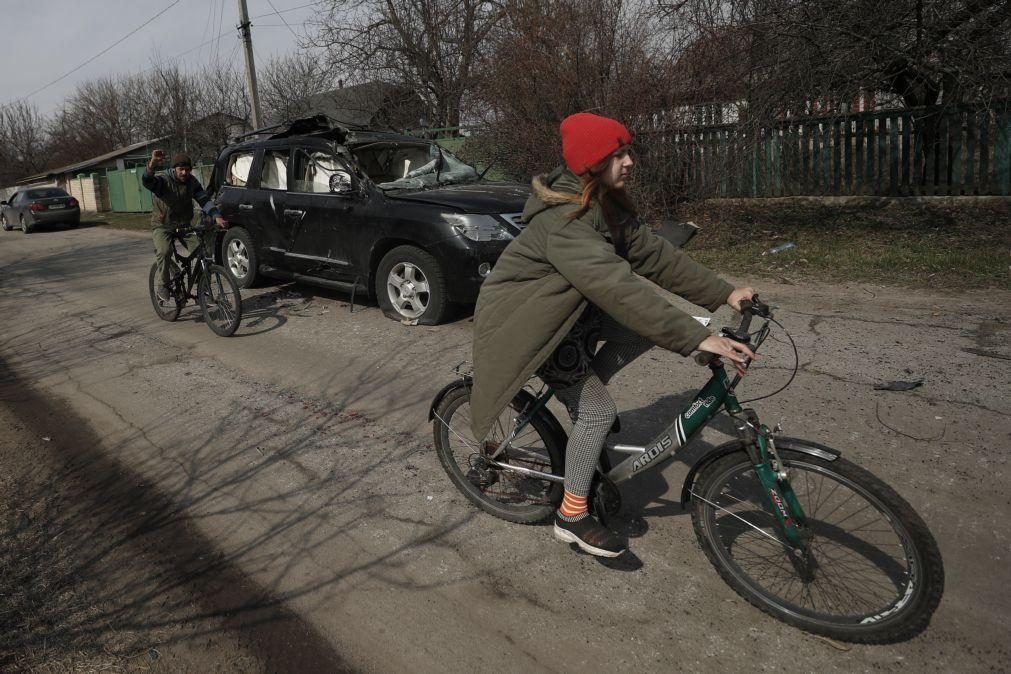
(560, 187)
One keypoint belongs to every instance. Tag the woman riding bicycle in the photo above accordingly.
(567, 282)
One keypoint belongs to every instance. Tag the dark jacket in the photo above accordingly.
(173, 200)
(545, 277)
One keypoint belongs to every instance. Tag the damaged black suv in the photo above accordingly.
(393, 215)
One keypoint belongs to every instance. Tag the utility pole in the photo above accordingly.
(247, 43)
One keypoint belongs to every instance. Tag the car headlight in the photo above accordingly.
(478, 227)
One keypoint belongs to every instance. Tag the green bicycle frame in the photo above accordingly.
(717, 392)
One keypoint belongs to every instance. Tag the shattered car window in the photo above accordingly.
(398, 166)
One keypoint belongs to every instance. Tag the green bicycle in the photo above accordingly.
(803, 534)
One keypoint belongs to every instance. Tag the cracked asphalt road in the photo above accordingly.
(297, 456)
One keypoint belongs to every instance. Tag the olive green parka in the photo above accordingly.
(543, 280)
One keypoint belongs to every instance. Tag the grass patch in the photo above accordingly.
(138, 222)
(949, 243)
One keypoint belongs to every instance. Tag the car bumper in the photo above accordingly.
(71, 215)
(461, 261)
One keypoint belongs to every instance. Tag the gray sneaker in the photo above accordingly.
(162, 293)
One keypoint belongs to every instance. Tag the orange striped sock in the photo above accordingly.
(573, 507)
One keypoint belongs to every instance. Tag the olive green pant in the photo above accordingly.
(162, 237)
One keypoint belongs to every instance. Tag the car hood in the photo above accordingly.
(472, 198)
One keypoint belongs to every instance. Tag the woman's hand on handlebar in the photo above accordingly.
(725, 347)
(738, 294)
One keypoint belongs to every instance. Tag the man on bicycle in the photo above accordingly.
(173, 194)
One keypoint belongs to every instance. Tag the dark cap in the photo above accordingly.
(182, 160)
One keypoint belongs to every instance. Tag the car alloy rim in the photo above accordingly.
(408, 290)
(238, 259)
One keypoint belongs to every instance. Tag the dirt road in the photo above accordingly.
(271, 502)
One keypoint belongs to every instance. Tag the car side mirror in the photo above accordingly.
(341, 184)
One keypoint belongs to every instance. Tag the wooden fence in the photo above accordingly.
(912, 152)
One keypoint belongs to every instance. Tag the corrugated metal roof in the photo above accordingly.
(71, 168)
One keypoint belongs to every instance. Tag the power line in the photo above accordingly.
(190, 50)
(283, 11)
(281, 18)
(221, 22)
(207, 22)
(67, 74)
(178, 56)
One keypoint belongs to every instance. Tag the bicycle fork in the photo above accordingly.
(775, 481)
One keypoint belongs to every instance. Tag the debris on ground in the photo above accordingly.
(898, 385)
(781, 248)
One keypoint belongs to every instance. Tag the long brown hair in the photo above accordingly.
(594, 189)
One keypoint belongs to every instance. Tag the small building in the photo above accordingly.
(82, 180)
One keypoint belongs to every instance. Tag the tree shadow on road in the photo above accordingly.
(104, 544)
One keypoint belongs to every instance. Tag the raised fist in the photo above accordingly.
(157, 158)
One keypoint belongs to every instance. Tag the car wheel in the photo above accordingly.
(25, 227)
(3, 223)
(411, 287)
(239, 255)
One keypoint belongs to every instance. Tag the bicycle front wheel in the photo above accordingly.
(871, 572)
(167, 311)
(507, 494)
(220, 301)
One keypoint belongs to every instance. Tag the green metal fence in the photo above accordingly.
(128, 195)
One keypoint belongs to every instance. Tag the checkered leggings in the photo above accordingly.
(591, 406)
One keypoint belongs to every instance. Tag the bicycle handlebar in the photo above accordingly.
(749, 309)
(192, 229)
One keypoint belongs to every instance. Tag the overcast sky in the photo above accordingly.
(43, 40)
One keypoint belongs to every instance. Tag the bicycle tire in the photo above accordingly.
(505, 494)
(725, 491)
(220, 301)
(170, 310)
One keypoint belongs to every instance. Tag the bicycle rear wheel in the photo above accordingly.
(506, 494)
(220, 301)
(169, 311)
(872, 572)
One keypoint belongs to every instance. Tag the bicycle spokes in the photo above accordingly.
(854, 561)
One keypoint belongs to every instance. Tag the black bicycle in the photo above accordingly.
(216, 291)
(792, 527)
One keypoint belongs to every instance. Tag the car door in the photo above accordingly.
(264, 202)
(18, 208)
(320, 208)
(8, 210)
(233, 198)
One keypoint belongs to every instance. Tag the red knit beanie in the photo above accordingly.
(588, 139)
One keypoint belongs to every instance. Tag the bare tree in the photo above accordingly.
(288, 82)
(99, 117)
(550, 58)
(793, 52)
(221, 109)
(430, 45)
(23, 142)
